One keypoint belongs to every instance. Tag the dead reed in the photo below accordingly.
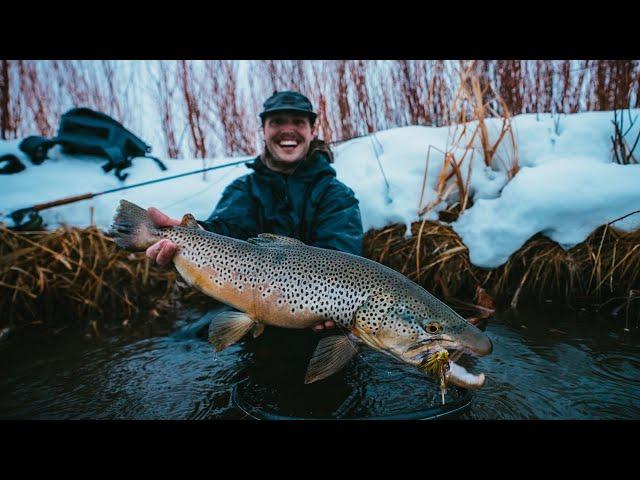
(603, 268)
(623, 150)
(218, 112)
(193, 110)
(79, 276)
(473, 107)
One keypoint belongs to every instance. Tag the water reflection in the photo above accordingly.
(545, 365)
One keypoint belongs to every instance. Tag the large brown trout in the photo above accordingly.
(274, 280)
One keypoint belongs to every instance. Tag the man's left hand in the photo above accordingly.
(322, 325)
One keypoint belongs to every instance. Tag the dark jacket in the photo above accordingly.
(310, 205)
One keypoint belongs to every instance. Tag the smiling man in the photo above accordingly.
(293, 190)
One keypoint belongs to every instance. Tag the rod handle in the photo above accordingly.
(62, 201)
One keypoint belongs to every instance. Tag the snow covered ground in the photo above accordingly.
(567, 184)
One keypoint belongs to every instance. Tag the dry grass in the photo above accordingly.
(78, 275)
(623, 152)
(470, 134)
(605, 267)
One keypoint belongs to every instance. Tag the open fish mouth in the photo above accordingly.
(454, 373)
(455, 355)
(459, 376)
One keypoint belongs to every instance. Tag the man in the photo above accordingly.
(293, 190)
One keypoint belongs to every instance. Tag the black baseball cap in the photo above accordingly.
(288, 100)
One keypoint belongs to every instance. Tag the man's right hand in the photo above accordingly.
(163, 251)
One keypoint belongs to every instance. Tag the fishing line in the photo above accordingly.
(246, 414)
(347, 143)
(347, 405)
(18, 216)
(430, 413)
(198, 193)
(164, 207)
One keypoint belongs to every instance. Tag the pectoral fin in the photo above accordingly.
(331, 354)
(229, 327)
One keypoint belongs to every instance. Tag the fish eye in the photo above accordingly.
(433, 328)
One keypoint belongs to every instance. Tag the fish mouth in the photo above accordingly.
(459, 376)
(476, 345)
(454, 373)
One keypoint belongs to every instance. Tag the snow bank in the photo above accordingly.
(561, 201)
(400, 156)
(567, 185)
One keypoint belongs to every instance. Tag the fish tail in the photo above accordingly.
(133, 228)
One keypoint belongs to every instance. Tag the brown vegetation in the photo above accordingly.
(603, 268)
(353, 97)
(80, 276)
(470, 134)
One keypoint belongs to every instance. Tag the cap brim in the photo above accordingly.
(288, 109)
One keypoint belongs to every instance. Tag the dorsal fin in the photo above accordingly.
(265, 239)
(189, 221)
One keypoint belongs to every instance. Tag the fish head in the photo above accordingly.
(414, 330)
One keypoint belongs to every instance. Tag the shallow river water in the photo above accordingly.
(546, 364)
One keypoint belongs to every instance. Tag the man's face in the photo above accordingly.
(288, 136)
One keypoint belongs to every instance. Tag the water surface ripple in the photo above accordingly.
(545, 365)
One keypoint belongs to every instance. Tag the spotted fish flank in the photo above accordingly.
(281, 281)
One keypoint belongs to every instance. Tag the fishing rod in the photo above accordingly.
(28, 218)
(34, 220)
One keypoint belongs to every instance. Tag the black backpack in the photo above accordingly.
(83, 130)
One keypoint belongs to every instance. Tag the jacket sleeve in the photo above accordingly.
(236, 214)
(338, 224)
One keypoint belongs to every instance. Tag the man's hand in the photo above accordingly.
(163, 251)
(322, 325)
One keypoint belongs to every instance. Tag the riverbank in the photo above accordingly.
(74, 276)
(603, 270)
(78, 277)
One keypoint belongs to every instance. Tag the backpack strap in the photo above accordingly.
(13, 165)
(162, 166)
(117, 161)
(118, 173)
